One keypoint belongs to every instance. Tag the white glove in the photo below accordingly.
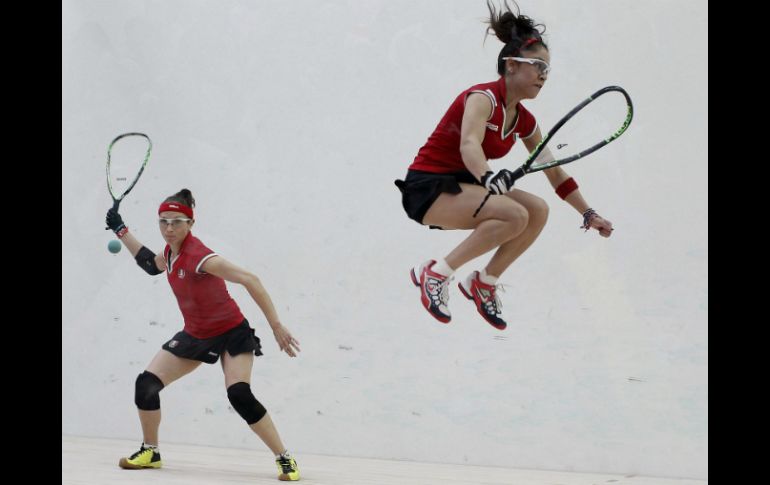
(499, 183)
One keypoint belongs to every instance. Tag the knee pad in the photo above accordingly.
(245, 403)
(148, 387)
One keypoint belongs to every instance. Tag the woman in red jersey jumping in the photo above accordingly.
(451, 175)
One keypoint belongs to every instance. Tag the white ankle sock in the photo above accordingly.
(154, 447)
(486, 278)
(441, 267)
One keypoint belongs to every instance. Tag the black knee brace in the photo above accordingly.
(245, 403)
(146, 396)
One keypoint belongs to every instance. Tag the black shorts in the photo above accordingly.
(421, 189)
(236, 341)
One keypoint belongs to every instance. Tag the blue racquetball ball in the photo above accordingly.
(114, 246)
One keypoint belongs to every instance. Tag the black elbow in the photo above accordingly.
(146, 260)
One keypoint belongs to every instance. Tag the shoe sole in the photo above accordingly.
(126, 465)
(467, 295)
(414, 278)
(416, 283)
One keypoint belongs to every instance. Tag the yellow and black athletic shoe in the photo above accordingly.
(144, 458)
(287, 469)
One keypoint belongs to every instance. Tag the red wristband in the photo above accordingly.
(122, 232)
(566, 188)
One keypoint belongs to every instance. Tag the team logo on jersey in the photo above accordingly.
(173, 344)
(492, 127)
(180, 274)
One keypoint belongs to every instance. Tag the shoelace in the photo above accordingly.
(440, 292)
(286, 465)
(141, 450)
(495, 306)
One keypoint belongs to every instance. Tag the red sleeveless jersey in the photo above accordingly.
(207, 307)
(441, 153)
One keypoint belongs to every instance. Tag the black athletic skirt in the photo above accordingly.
(421, 189)
(236, 341)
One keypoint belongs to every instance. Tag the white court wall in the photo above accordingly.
(289, 121)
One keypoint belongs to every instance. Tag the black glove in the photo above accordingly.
(115, 222)
(499, 183)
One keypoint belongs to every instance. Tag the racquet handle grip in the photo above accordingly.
(517, 174)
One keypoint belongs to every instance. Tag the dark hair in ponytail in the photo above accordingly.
(514, 30)
(184, 197)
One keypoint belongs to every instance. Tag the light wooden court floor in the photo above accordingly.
(94, 461)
